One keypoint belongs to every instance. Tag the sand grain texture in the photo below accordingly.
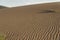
(28, 23)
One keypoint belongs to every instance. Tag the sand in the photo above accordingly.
(31, 22)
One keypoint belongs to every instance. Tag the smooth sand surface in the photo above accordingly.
(30, 22)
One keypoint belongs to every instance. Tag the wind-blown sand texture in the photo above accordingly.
(31, 22)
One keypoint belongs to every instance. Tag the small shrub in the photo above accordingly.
(48, 11)
(2, 37)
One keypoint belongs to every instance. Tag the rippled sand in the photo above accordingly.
(30, 22)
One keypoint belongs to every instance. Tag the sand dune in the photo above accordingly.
(31, 22)
(3, 7)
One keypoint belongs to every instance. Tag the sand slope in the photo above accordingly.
(29, 23)
(2, 7)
